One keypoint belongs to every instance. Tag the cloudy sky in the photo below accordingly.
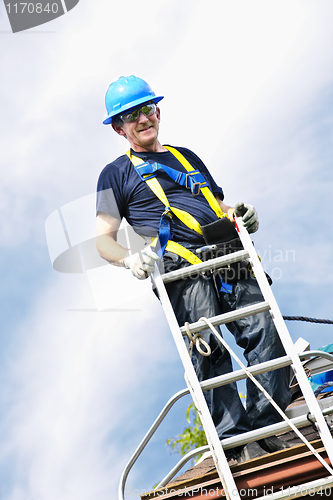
(248, 86)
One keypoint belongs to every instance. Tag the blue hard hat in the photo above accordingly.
(127, 93)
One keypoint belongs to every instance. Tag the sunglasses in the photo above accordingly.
(147, 110)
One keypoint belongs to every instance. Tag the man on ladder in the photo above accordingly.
(169, 197)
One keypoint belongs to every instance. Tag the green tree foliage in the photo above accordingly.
(192, 437)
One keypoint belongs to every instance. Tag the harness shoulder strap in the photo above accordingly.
(153, 183)
(157, 189)
(205, 190)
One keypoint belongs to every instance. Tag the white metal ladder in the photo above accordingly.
(269, 304)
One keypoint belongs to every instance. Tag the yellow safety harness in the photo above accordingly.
(182, 215)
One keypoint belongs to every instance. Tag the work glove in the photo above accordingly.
(249, 216)
(141, 264)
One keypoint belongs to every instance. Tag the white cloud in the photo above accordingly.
(75, 379)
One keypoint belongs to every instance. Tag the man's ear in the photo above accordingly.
(158, 114)
(118, 129)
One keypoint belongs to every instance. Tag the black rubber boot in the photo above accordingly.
(273, 443)
(249, 452)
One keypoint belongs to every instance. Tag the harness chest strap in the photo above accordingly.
(193, 180)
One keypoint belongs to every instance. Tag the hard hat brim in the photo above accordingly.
(130, 106)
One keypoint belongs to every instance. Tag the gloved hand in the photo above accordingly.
(142, 263)
(249, 216)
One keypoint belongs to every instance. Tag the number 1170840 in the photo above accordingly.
(32, 8)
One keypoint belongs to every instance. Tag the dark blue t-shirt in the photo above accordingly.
(121, 193)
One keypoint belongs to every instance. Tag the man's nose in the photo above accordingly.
(142, 118)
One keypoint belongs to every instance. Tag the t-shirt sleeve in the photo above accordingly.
(107, 193)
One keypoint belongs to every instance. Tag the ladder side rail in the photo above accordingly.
(286, 340)
(269, 430)
(193, 383)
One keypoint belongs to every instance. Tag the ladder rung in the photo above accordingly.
(185, 272)
(235, 376)
(242, 312)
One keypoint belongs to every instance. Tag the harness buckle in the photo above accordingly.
(146, 170)
(192, 185)
(167, 211)
(196, 188)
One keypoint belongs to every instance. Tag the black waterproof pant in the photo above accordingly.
(193, 298)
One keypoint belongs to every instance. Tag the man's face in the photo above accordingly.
(142, 133)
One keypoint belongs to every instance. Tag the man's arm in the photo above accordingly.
(141, 264)
(107, 246)
(226, 209)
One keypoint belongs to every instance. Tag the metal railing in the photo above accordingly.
(239, 440)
